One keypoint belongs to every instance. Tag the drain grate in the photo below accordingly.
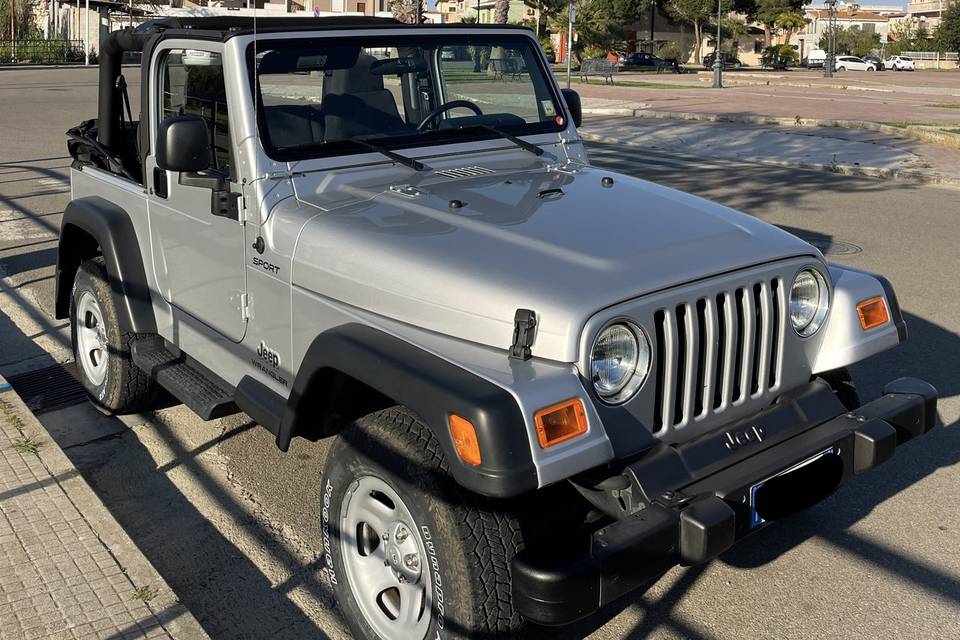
(50, 388)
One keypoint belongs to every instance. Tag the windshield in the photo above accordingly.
(326, 97)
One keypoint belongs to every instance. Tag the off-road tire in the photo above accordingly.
(474, 539)
(125, 388)
(844, 388)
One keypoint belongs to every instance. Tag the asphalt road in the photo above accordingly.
(232, 524)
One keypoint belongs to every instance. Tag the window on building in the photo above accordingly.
(361, 7)
(451, 9)
(869, 27)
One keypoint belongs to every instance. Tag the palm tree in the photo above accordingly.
(407, 10)
(790, 22)
(501, 10)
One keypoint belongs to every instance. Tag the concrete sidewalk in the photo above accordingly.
(67, 569)
(850, 151)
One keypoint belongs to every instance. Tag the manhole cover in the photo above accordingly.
(50, 388)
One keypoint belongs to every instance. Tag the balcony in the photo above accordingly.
(927, 8)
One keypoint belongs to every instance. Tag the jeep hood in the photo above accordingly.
(460, 255)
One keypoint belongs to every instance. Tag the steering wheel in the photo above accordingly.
(447, 106)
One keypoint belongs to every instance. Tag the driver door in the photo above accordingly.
(198, 257)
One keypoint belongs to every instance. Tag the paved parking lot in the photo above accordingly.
(888, 97)
(232, 524)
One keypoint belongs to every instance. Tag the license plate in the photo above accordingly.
(755, 519)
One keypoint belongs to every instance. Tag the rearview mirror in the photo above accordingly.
(183, 144)
(572, 98)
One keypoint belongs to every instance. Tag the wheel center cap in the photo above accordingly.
(403, 553)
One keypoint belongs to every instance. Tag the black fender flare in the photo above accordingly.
(434, 389)
(115, 238)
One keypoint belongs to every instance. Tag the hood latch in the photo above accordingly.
(524, 326)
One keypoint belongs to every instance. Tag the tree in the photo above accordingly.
(853, 41)
(947, 36)
(501, 11)
(768, 11)
(408, 10)
(698, 14)
(600, 24)
(790, 22)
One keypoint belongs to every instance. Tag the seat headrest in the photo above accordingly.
(357, 79)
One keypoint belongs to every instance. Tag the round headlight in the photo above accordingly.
(809, 302)
(619, 361)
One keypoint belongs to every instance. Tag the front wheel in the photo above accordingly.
(408, 553)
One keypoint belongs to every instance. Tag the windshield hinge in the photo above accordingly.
(245, 307)
(524, 326)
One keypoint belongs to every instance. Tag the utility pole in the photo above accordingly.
(571, 18)
(86, 34)
(717, 62)
(831, 6)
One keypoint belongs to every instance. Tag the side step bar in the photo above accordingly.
(202, 391)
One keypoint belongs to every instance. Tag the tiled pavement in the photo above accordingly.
(67, 570)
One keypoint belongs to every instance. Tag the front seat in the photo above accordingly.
(356, 104)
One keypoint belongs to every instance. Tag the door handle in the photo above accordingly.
(160, 182)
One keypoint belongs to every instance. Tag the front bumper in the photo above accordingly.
(687, 504)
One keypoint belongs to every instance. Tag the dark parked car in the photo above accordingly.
(728, 60)
(877, 62)
(642, 60)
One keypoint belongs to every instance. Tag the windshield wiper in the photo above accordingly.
(523, 144)
(396, 157)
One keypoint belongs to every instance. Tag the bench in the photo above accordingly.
(504, 67)
(598, 67)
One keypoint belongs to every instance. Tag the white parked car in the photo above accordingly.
(853, 63)
(899, 63)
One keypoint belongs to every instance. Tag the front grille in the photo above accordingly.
(718, 351)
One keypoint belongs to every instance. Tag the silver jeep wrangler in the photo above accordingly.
(545, 383)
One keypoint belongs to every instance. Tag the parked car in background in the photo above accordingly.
(642, 60)
(900, 63)
(816, 59)
(728, 60)
(853, 63)
(876, 61)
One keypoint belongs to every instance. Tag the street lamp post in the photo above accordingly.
(831, 6)
(717, 63)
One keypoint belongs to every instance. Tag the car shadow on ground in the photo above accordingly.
(215, 579)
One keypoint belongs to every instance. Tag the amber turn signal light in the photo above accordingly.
(560, 422)
(873, 313)
(465, 440)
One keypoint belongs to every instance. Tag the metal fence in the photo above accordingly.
(930, 55)
(41, 51)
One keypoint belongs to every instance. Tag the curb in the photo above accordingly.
(919, 176)
(733, 80)
(924, 133)
(177, 619)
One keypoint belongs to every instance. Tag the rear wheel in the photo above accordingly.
(409, 554)
(101, 348)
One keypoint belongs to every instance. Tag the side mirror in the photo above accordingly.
(572, 99)
(183, 144)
